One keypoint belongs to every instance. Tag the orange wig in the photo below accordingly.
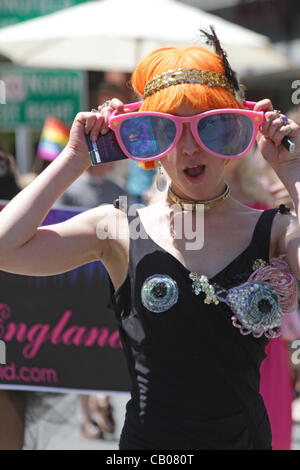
(196, 95)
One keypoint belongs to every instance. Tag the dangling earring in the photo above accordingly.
(161, 180)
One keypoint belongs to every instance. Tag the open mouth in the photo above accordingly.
(194, 173)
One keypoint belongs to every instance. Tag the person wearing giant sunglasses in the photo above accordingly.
(226, 133)
(194, 324)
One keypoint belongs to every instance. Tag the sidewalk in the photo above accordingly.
(59, 427)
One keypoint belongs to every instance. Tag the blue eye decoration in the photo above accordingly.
(256, 309)
(159, 293)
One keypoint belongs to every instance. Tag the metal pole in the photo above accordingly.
(24, 153)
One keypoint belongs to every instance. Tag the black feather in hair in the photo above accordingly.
(213, 40)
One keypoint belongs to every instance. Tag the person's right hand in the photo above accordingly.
(92, 123)
(107, 109)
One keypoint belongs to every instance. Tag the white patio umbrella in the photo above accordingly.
(115, 34)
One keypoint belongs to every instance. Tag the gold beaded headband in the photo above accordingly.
(174, 77)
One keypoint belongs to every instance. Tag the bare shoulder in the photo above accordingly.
(281, 225)
(287, 229)
(116, 224)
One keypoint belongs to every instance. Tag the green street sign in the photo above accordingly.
(31, 95)
(15, 11)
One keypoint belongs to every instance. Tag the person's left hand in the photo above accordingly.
(271, 134)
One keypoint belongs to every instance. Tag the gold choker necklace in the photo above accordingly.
(191, 204)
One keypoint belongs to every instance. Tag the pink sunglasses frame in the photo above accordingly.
(115, 121)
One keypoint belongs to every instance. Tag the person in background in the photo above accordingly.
(138, 183)
(26, 178)
(12, 423)
(9, 185)
(93, 188)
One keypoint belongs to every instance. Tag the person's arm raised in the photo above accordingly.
(26, 248)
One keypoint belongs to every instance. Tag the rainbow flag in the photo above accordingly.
(54, 138)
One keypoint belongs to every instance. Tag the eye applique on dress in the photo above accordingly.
(256, 309)
(259, 303)
(159, 293)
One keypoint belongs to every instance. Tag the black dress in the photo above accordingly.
(195, 378)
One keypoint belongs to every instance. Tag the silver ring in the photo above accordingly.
(106, 104)
(277, 111)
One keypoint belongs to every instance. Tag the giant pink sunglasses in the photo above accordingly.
(147, 135)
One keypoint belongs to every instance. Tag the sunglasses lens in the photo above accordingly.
(147, 136)
(228, 134)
